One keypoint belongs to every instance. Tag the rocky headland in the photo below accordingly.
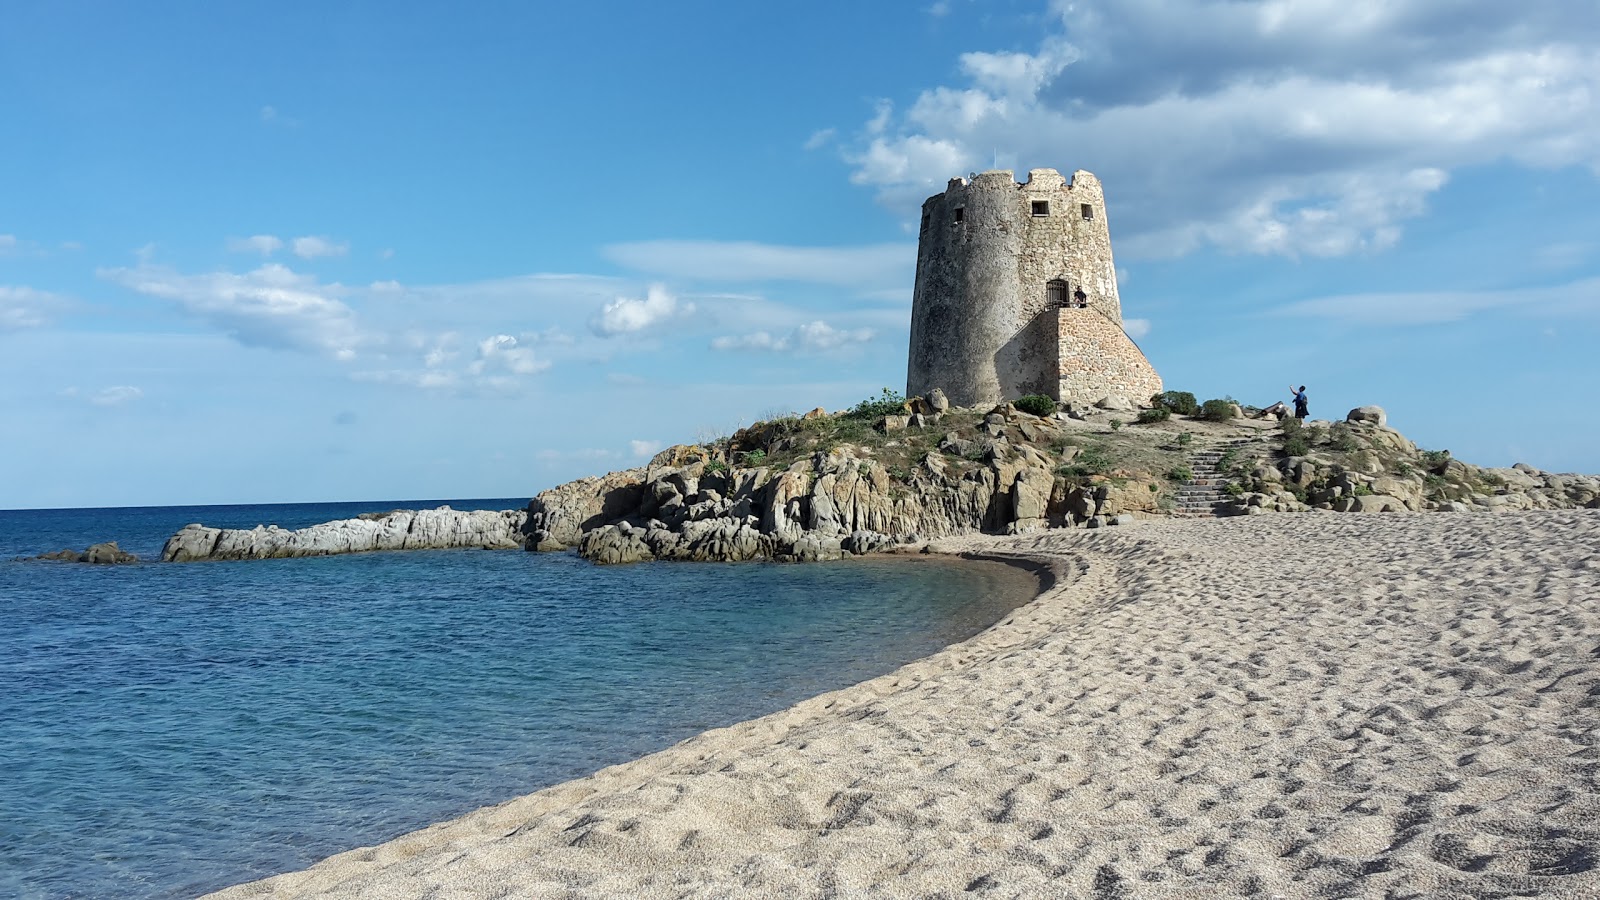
(894, 473)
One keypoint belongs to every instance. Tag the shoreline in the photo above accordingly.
(967, 770)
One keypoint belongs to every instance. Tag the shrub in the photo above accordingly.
(1036, 404)
(1089, 461)
(1343, 438)
(1185, 439)
(889, 403)
(1153, 415)
(715, 466)
(1233, 489)
(1116, 424)
(1217, 411)
(1180, 473)
(754, 457)
(1180, 402)
(1296, 445)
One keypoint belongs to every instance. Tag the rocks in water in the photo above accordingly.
(427, 529)
(105, 553)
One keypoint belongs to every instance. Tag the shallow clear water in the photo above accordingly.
(171, 729)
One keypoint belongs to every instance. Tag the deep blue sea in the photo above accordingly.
(169, 729)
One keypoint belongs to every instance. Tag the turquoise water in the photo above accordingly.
(171, 729)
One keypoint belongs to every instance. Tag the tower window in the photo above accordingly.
(1041, 207)
(961, 213)
(1055, 293)
(1088, 212)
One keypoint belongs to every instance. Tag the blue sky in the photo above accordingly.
(297, 252)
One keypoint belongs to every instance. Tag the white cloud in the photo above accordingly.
(264, 244)
(870, 266)
(500, 352)
(313, 247)
(644, 448)
(1578, 298)
(626, 315)
(1136, 328)
(8, 244)
(271, 306)
(118, 395)
(812, 337)
(1320, 131)
(24, 307)
(821, 138)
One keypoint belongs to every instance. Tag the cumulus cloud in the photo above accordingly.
(23, 307)
(626, 315)
(271, 306)
(871, 266)
(500, 352)
(313, 247)
(1319, 130)
(1136, 328)
(812, 337)
(264, 244)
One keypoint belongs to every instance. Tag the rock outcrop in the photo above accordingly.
(106, 553)
(689, 504)
(403, 529)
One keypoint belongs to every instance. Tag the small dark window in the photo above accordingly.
(1041, 207)
(961, 213)
(1055, 293)
(1088, 212)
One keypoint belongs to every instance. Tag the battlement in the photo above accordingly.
(993, 256)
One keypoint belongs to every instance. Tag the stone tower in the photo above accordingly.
(1016, 294)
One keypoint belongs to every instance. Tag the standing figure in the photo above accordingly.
(1301, 409)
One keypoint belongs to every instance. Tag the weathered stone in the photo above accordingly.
(610, 545)
(893, 423)
(937, 401)
(427, 529)
(1369, 415)
(1124, 519)
(566, 511)
(818, 413)
(1116, 403)
(861, 543)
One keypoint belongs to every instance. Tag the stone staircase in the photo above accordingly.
(1202, 496)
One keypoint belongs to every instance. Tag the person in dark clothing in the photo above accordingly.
(1301, 408)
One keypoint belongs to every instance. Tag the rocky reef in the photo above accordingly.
(105, 553)
(402, 529)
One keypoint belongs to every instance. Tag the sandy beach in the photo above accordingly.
(1311, 705)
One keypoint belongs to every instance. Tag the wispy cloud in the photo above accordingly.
(264, 244)
(812, 337)
(1578, 298)
(274, 117)
(118, 395)
(271, 306)
(644, 448)
(24, 307)
(865, 267)
(315, 247)
(821, 138)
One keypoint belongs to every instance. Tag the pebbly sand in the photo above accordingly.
(1314, 705)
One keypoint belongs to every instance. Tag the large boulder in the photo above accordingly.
(612, 545)
(1369, 415)
(402, 529)
(568, 510)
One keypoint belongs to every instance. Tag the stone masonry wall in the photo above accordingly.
(1099, 359)
(988, 248)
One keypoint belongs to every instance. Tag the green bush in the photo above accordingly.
(1153, 415)
(1217, 411)
(715, 466)
(754, 457)
(1233, 489)
(1296, 445)
(1185, 439)
(1116, 424)
(1180, 473)
(1089, 461)
(1036, 404)
(889, 403)
(1180, 402)
(1343, 438)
